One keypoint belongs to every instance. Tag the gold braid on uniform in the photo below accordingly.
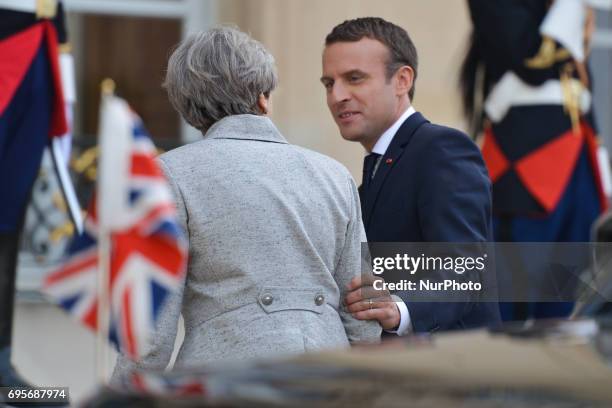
(548, 55)
(46, 8)
(86, 163)
(572, 89)
(66, 229)
(65, 48)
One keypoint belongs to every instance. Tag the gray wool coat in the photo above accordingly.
(274, 235)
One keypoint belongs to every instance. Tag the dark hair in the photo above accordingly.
(467, 76)
(401, 48)
(474, 84)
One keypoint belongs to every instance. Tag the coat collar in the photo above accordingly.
(406, 131)
(245, 127)
(394, 152)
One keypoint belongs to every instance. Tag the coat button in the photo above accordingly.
(267, 300)
(319, 300)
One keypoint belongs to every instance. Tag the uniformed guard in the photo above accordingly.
(526, 85)
(32, 111)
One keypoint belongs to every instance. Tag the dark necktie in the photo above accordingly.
(369, 163)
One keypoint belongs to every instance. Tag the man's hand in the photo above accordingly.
(363, 306)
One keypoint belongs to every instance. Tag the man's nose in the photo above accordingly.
(339, 93)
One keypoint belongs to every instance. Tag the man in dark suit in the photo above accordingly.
(422, 182)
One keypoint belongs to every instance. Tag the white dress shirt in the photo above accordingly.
(385, 139)
(381, 147)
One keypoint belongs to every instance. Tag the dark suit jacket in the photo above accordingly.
(432, 186)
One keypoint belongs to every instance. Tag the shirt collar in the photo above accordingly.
(384, 141)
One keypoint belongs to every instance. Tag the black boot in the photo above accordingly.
(9, 247)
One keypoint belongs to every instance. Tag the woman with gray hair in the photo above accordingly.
(274, 230)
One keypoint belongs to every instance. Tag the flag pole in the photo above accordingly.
(104, 253)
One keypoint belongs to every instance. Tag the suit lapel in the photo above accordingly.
(388, 161)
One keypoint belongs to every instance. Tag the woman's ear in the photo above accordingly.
(263, 104)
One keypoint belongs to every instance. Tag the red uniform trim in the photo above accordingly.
(494, 158)
(546, 171)
(591, 142)
(16, 55)
(59, 123)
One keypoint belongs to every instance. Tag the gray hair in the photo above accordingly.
(217, 73)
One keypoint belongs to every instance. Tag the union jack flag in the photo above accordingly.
(147, 249)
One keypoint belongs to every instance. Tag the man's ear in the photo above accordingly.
(405, 79)
(263, 104)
